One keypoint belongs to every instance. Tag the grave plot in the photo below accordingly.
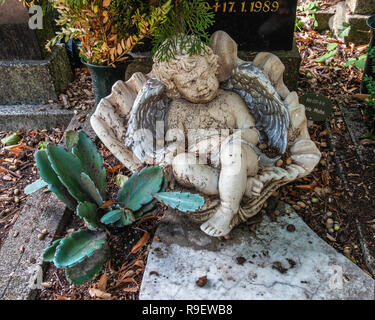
(331, 210)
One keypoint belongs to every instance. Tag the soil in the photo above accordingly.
(17, 170)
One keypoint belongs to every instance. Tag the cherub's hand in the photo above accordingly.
(254, 187)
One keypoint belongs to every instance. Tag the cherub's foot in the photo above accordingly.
(219, 224)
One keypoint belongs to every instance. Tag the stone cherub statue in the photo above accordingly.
(225, 109)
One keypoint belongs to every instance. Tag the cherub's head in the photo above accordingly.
(191, 77)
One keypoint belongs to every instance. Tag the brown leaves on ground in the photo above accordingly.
(141, 242)
(17, 171)
(202, 281)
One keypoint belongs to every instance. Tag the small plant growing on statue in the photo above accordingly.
(185, 27)
(77, 177)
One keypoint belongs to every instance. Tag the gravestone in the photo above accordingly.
(347, 13)
(361, 6)
(280, 260)
(29, 75)
(263, 25)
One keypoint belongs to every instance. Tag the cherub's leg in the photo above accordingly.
(190, 173)
(238, 161)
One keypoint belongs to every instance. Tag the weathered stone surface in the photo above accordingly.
(34, 81)
(21, 270)
(323, 16)
(41, 211)
(361, 6)
(272, 263)
(29, 117)
(359, 31)
(291, 59)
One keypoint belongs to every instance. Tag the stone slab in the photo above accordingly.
(30, 117)
(185, 254)
(21, 272)
(323, 16)
(291, 59)
(35, 81)
(361, 6)
(359, 31)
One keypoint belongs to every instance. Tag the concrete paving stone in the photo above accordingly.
(30, 117)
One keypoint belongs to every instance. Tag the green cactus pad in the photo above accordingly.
(92, 162)
(68, 168)
(54, 184)
(88, 268)
(148, 209)
(49, 253)
(123, 217)
(35, 186)
(183, 201)
(88, 212)
(78, 246)
(90, 188)
(112, 216)
(138, 190)
(71, 139)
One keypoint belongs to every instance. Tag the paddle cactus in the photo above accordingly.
(77, 177)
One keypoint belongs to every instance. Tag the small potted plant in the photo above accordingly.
(107, 31)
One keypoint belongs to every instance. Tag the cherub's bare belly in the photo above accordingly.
(220, 114)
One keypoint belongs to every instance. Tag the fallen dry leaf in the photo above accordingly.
(96, 293)
(202, 281)
(102, 283)
(141, 242)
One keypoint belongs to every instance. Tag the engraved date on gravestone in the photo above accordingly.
(256, 24)
(244, 6)
(318, 107)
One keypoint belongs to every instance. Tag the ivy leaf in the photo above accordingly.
(332, 46)
(326, 56)
(344, 30)
(11, 140)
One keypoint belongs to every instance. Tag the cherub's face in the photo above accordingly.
(200, 85)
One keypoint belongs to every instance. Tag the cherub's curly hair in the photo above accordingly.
(165, 71)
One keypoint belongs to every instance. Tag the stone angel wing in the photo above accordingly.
(270, 113)
(146, 122)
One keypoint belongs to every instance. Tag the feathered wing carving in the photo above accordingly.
(270, 113)
(146, 122)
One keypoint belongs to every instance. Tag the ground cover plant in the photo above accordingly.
(77, 177)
